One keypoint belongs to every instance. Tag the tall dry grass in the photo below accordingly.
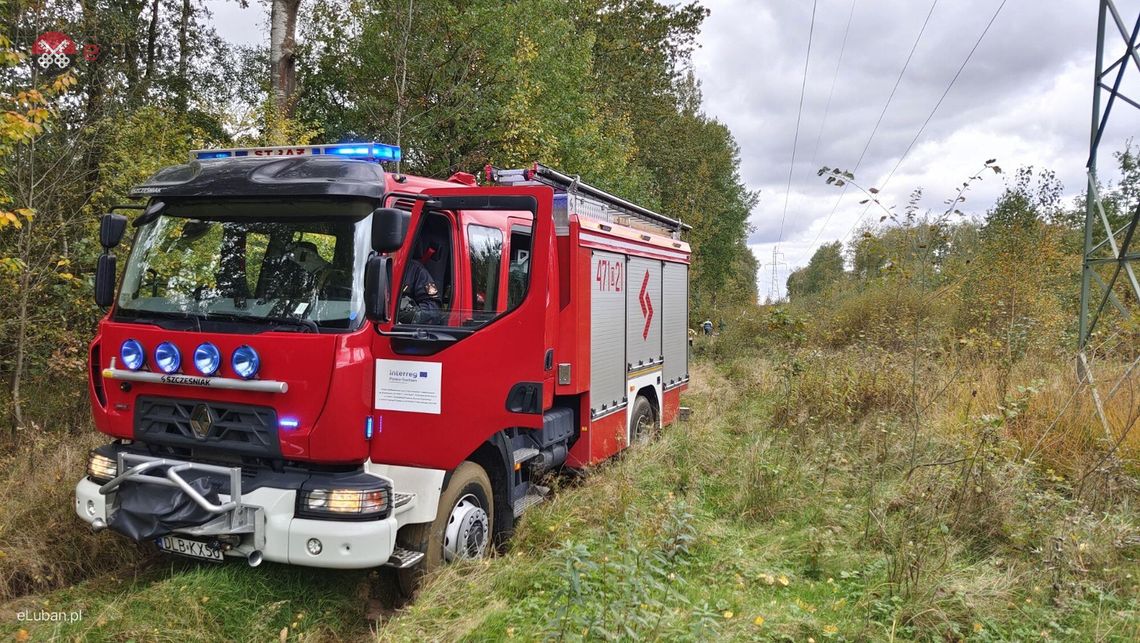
(43, 544)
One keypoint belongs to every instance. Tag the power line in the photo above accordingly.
(878, 122)
(834, 77)
(930, 116)
(799, 114)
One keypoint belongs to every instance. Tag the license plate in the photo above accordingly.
(187, 547)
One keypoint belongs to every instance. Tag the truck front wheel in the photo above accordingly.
(464, 522)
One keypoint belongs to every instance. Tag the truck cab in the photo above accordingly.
(312, 360)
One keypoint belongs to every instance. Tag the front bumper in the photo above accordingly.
(262, 520)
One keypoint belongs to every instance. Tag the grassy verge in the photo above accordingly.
(781, 511)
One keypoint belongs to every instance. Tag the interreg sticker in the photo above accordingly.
(408, 386)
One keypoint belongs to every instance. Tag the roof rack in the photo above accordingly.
(588, 199)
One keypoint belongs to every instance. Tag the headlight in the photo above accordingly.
(167, 357)
(245, 362)
(207, 359)
(344, 504)
(132, 354)
(100, 468)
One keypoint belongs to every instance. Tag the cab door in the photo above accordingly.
(443, 388)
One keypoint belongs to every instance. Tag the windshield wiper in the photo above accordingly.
(308, 325)
(424, 334)
(144, 314)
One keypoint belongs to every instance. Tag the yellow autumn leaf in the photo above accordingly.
(783, 580)
(728, 614)
(759, 620)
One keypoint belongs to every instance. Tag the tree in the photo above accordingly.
(824, 269)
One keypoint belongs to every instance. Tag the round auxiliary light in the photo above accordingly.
(132, 354)
(207, 359)
(167, 357)
(245, 362)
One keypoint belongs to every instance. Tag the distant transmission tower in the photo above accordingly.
(774, 284)
(1110, 291)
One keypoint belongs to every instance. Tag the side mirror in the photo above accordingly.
(389, 227)
(111, 229)
(377, 276)
(105, 280)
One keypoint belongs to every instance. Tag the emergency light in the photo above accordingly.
(207, 359)
(167, 357)
(133, 354)
(358, 151)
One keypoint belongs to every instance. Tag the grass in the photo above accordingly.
(788, 508)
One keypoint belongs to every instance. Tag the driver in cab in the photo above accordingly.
(420, 301)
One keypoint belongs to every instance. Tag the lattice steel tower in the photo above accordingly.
(1110, 292)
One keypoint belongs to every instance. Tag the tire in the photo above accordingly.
(644, 423)
(469, 483)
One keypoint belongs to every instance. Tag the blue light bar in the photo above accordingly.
(359, 151)
(288, 423)
(366, 151)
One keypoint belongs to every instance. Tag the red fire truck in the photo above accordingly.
(312, 360)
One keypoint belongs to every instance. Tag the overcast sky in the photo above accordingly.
(1024, 99)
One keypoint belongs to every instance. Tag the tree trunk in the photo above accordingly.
(151, 41)
(282, 56)
(95, 90)
(402, 80)
(184, 55)
(24, 246)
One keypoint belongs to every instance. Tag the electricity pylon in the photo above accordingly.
(1110, 292)
(774, 284)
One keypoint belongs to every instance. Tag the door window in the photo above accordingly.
(518, 272)
(426, 292)
(485, 247)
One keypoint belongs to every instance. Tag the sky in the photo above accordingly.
(1024, 99)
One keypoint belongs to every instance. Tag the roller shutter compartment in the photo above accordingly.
(607, 332)
(643, 313)
(675, 319)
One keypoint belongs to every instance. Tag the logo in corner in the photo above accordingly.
(54, 51)
(646, 305)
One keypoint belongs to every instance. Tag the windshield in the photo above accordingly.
(281, 265)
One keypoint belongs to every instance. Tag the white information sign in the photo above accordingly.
(408, 386)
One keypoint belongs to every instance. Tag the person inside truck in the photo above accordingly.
(420, 302)
(425, 294)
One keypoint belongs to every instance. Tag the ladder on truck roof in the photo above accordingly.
(585, 199)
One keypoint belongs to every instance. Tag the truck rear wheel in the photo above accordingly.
(464, 522)
(644, 423)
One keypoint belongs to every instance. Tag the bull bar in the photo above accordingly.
(232, 516)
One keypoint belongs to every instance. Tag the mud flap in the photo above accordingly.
(147, 511)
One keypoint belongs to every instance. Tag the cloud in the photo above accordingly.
(1024, 99)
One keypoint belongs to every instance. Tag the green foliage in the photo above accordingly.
(635, 592)
(147, 140)
(824, 269)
